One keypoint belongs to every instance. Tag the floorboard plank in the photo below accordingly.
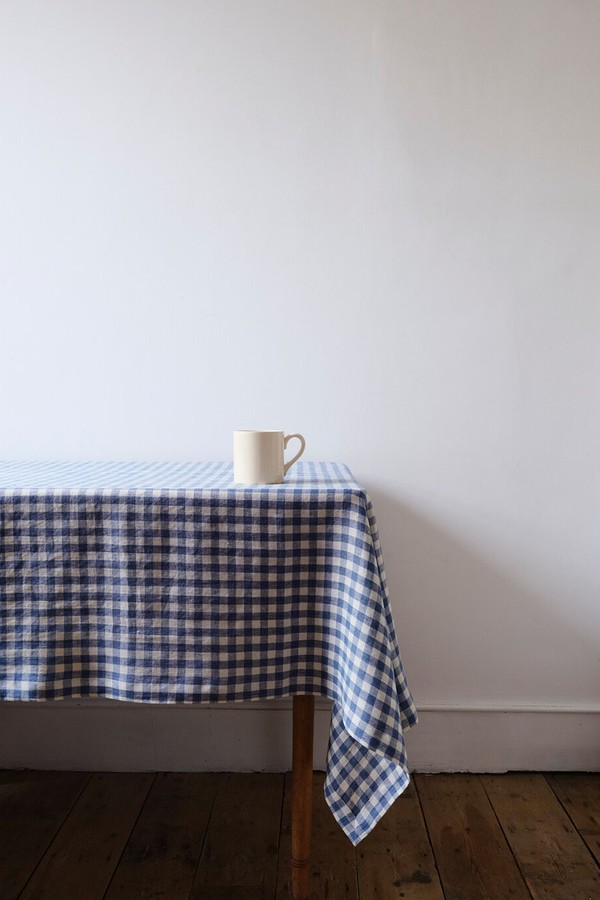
(396, 859)
(553, 858)
(579, 793)
(240, 849)
(232, 892)
(333, 859)
(76, 836)
(473, 858)
(33, 806)
(82, 857)
(162, 853)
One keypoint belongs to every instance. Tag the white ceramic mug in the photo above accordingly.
(258, 456)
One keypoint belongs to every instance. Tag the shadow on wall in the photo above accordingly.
(473, 631)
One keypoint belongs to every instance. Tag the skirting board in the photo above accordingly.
(107, 736)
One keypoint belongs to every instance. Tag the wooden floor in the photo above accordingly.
(81, 836)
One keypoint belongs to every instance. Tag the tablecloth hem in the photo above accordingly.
(360, 826)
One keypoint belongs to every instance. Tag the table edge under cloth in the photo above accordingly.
(374, 756)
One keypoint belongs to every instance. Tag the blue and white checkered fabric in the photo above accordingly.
(168, 583)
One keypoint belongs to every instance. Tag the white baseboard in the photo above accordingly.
(107, 736)
(133, 737)
(500, 740)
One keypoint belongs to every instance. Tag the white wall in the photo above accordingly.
(374, 222)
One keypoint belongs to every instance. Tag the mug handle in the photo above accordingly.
(287, 438)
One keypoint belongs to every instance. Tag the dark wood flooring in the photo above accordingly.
(82, 836)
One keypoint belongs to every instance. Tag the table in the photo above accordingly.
(168, 583)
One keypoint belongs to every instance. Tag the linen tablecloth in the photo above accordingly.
(168, 583)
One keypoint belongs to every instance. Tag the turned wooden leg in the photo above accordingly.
(302, 777)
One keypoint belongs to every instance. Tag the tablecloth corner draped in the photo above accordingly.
(167, 582)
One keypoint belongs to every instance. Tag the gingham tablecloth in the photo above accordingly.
(168, 583)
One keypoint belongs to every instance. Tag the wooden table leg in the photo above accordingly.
(302, 778)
